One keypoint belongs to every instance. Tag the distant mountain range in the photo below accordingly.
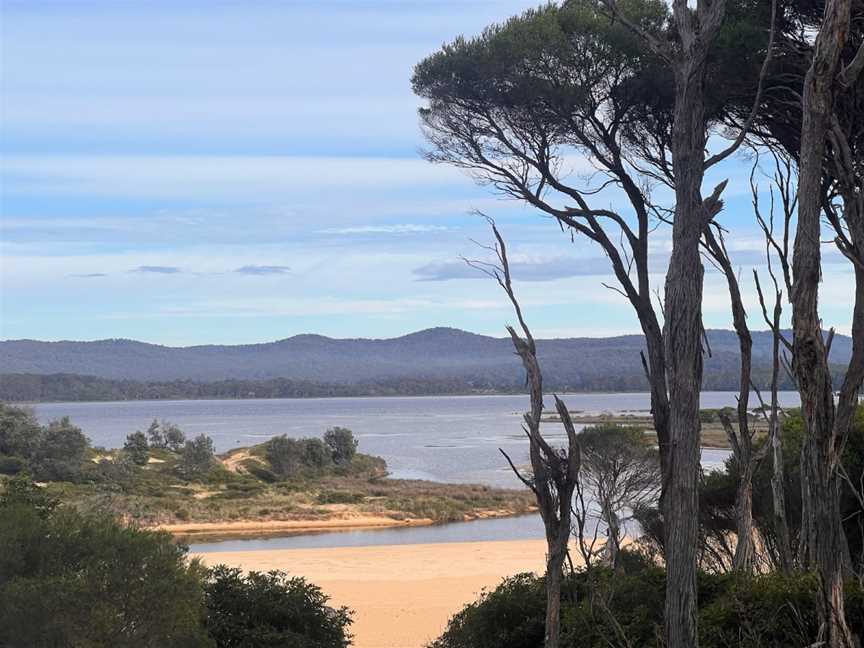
(438, 360)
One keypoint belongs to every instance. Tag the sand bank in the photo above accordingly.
(402, 595)
(263, 527)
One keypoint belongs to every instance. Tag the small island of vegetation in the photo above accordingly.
(161, 479)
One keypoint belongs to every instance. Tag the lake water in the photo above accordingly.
(447, 439)
(523, 527)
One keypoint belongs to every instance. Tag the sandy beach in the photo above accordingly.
(402, 595)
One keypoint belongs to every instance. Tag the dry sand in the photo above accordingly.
(402, 595)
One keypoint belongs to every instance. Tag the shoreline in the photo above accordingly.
(480, 394)
(242, 528)
(205, 531)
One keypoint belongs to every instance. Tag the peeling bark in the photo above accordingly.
(810, 357)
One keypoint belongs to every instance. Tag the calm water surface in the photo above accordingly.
(445, 439)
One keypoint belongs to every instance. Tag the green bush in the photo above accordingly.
(260, 472)
(73, 580)
(11, 465)
(769, 611)
(339, 497)
(271, 610)
(342, 444)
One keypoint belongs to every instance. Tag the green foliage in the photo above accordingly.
(340, 497)
(271, 610)
(174, 437)
(155, 438)
(342, 444)
(510, 616)
(137, 448)
(19, 431)
(21, 491)
(316, 454)
(60, 453)
(601, 607)
(10, 465)
(285, 455)
(197, 456)
(73, 580)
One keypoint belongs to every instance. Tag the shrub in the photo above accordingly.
(60, 452)
(770, 611)
(11, 465)
(175, 439)
(260, 610)
(260, 472)
(19, 431)
(137, 448)
(68, 579)
(339, 497)
(197, 456)
(316, 454)
(342, 444)
(285, 455)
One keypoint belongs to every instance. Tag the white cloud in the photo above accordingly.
(206, 177)
(405, 228)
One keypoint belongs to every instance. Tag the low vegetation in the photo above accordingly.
(161, 478)
(602, 608)
(69, 579)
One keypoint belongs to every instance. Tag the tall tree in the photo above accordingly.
(827, 423)
(512, 104)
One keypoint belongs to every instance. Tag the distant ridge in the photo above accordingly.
(448, 360)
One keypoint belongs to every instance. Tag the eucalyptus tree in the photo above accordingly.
(827, 423)
(623, 86)
(814, 102)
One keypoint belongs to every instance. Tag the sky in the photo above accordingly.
(187, 172)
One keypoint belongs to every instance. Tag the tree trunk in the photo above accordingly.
(683, 330)
(744, 549)
(806, 537)
(778, 494)
(613, 536)
(778, 480)
(554, 569)
(810, 357)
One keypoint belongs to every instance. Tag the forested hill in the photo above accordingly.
(434, 361)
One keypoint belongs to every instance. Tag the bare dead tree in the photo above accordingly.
(740, 433)
(827, 423)
(777, 250)
(555, 471)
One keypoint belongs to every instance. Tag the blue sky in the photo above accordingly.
(205, 172)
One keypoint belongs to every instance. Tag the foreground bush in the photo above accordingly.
(71, 580)
(264, 610)
(606, 609)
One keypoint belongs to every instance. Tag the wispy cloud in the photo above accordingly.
(89, 275)
(157, 269)
(263, 270)
(403, 228)
(525, 270)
